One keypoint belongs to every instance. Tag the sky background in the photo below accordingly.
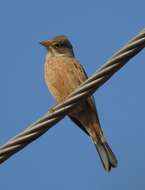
(65, 158)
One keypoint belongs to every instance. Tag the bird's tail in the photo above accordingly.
(106, 155)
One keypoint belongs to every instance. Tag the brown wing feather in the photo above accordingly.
(83, 76)
(78, 123)
(90, 102)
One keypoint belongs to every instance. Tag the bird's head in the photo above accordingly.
(58, 46)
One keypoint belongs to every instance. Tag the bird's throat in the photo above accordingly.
(54, 53)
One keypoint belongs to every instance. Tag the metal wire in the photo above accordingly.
(86, 89)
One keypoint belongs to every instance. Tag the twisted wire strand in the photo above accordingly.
(87, 88)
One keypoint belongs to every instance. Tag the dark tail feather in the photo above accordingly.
(107, 156)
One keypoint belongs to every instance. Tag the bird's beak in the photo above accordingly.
(46, 43)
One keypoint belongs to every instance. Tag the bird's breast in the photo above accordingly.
(61, 76)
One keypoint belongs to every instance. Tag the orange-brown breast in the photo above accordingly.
(63, 75)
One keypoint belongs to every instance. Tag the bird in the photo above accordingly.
(63, 74)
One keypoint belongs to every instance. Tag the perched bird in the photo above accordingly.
(63, 74)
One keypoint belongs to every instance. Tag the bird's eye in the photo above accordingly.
(59, 45)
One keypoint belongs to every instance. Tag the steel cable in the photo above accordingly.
(86, 89)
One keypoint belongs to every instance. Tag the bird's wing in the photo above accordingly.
(82, 75)
(78, 123)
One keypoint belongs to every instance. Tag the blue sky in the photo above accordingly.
(65, 158)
